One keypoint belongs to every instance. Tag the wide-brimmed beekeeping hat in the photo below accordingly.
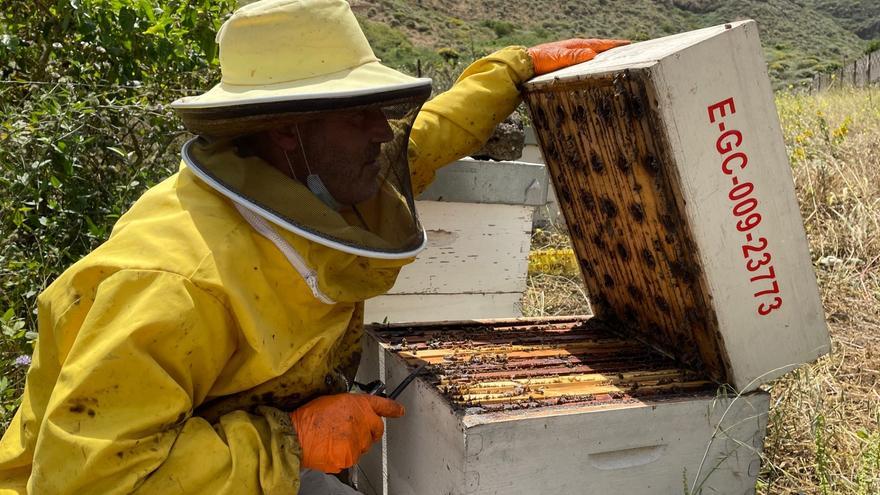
(279, 56)
(295, 64)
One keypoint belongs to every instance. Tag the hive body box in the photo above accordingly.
(669, 165)
(478, 217)
(520, 407)
(468, 270)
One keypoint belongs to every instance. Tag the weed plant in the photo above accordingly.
(823, 435)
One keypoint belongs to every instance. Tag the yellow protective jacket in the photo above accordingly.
(168, 357)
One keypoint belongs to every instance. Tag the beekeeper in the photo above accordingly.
(208, 345)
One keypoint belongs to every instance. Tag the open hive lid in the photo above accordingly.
(669, 164)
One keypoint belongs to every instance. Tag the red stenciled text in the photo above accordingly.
(744, 210)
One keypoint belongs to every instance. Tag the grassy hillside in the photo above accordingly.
(859, 16)
(799, 37)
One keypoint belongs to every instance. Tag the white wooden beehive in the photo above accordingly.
(569, 408)
(669, 165)
(478, 217)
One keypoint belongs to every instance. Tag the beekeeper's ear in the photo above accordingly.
(285, 138)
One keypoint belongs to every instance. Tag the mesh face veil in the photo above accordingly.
(351, 186)
(313, 181)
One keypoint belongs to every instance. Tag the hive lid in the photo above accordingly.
(636, 55)
(669, 165)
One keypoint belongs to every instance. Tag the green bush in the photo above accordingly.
(449, 54)
(394, 48)
(84, 129)
(501, 28)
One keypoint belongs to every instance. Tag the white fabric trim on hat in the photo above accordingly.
(185, 103)
(280, 222)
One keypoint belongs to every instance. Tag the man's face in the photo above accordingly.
(343, 148)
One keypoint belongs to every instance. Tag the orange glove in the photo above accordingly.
(548, 57)
(334, 430)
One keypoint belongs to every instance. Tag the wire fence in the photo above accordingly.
(859, 73)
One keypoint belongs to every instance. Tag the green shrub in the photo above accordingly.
(84, 129)
(501, 28)
(449, 54)
(393, 47)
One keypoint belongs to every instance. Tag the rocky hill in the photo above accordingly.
(800, 37)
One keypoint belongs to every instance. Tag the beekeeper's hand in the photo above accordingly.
(548, 57)
(334, 430)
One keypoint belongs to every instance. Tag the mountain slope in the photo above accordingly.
(800, 38)
(859, 16)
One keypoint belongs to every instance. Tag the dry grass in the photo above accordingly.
(823, 436)
(550, 294)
